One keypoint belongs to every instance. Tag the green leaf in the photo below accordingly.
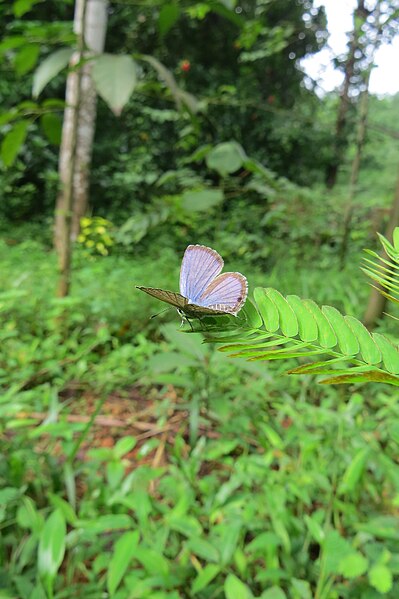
(354, 471)
(168, 16)
(267, 309)
(251, 315)
(107, 522)
(302, 588)
(200, 200)
(26, 58)
(307, 325)
(123, 446)
(205, 576)
(390, 354)
(380, 578)
(8, 495)
(347, 341)
(287, 318)
(235, 589)
(369, 350)
(229, 541)
(335, 549)
(29, 517)
(315, 529)
(373, 376)
(115, 77)
(49, 68)
(185, 525)
(226, 158)
(65, 508)
(52, 127)
(13, 141)
(274, 438)
(326, 337)
(123, 552)
(20, 7)
(353, 565)
(52, 545)
(153, 561)
(273, 593)
(395, 238)
(322, 367)
(382, 527)
(203, 549)
(7, 117)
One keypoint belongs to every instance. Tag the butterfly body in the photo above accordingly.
(203, 290)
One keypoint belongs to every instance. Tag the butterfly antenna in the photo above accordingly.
(161, 312)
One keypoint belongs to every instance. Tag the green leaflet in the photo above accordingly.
(347, 341)
(369, 350)
(252, 315)
(389, 353)
(306, 322)
(267, 309)
(288, 320)
(249, 348)
(322, 367)
(373, 376)
(326, 337)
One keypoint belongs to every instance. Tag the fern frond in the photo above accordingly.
(384, 270)
(277, 327)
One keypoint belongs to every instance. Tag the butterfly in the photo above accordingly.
(203, 290)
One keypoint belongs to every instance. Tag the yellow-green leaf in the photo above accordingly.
(205, 576)
(390, 354)
(267, 309)
(124, 550)
(369, 350)
(288, 320)
(327, 338)
(380, 578)
(49, 68)
(347, 341)
(115, 77)
(234, 588)
(51, 545)
(13, 142)
(306, 322)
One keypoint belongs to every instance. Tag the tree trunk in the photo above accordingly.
(361, 134)
(95, 31)
(90, 24)
(64, 205)
(341, 135)
(377, 302)
(354, 178)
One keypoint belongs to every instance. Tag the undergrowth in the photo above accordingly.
(219, 478)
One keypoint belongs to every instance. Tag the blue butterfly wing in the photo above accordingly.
(199, 268)
(226, 293)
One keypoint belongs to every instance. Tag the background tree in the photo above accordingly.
(91, 17)
(340, 141)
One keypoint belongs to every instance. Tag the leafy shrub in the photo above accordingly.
(96, 235)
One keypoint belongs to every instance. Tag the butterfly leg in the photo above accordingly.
(189, 322)
(184, 319)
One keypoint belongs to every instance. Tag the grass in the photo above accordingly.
(137, 462)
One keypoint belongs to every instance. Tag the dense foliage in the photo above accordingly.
(208, 476)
